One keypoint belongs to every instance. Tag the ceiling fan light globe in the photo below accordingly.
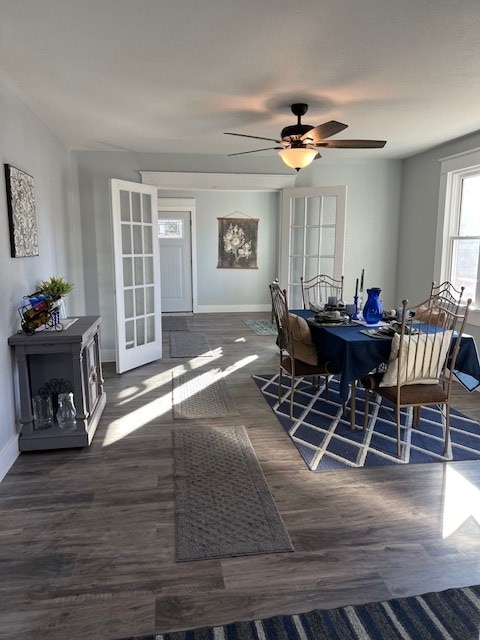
(297, 158)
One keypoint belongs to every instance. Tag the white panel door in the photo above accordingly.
(312, 237)
(175, 223)
(137, 278)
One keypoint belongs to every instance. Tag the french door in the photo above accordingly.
(137, 280)
(312, 236)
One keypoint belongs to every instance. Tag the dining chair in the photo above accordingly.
(421, 363)
(318, 289)
(442, 296)
(298, 354)
(452, 297)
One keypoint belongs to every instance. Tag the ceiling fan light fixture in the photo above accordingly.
(297, 157)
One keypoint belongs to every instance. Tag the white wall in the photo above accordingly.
(234, 289)
(28, 145)
(418, 228)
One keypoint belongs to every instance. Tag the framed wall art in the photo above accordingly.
(21, 213)
(237, 243)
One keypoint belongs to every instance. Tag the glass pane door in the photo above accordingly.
(313, 237)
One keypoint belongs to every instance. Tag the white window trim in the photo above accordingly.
(450, 167)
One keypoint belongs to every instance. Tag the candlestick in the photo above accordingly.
(355, 315)
(361, 280)
(356, 288)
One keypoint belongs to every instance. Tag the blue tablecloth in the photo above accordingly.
(355, 354)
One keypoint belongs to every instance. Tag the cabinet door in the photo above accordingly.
(91, 375)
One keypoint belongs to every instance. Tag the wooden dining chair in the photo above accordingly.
(298, 354)
(421, 363)
(318, 289)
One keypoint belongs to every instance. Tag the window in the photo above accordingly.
(465, 235)
(168, 229)
(457, 257)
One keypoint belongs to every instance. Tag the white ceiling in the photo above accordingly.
(170, 76)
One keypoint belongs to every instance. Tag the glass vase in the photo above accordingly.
(373, 310)
(66, 412)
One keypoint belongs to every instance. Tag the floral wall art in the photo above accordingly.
(237, 243)
(21, 213)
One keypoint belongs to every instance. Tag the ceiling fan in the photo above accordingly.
(300, 142)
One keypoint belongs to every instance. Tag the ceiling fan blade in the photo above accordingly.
(322, 131)
(241, 153)
(353, 144)
(244, 135)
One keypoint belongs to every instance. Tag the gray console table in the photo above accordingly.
(49, 358)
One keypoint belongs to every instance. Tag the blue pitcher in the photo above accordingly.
(373, 310)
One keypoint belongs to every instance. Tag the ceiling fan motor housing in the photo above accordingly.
(295, 131)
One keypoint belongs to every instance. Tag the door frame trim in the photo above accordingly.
(185, 204)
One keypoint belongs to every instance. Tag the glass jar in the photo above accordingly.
(66, 412)
(373, 309)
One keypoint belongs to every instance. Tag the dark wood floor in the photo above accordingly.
(87, 536)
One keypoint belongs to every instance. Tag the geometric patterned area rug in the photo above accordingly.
(174, 323)
(223, 505)
(188, 345)
(323, 436)
(201, 394)
(452, 614)
(262, 327)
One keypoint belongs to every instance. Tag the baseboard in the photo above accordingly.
(8, 455)
(240, 308)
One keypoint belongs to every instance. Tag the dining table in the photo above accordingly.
(354, 354)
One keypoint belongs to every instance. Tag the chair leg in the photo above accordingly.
(353, 404)
(416, 417)
(398, 430)
(367, 408)
(292, 391)
(280, 385)
(447, 429)
(326, 386)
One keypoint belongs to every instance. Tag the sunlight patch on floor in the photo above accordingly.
(148, 412)
(137, 419)
(462, 500)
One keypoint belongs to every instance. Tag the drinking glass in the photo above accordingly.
(42, 411)
(349, 311)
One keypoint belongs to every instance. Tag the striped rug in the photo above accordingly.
(447, 615)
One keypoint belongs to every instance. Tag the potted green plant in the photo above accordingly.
(57, 288)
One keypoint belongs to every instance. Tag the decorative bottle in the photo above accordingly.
(66, 412)
(373, 310)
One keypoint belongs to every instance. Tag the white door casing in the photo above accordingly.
(312, 236)
(137, 281)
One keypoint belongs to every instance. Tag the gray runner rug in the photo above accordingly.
(184, 344)
(262, 327)
(223, 505)
(174, 323)
(201, 394)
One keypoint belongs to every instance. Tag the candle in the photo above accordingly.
(361, 280)
(356, 288)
